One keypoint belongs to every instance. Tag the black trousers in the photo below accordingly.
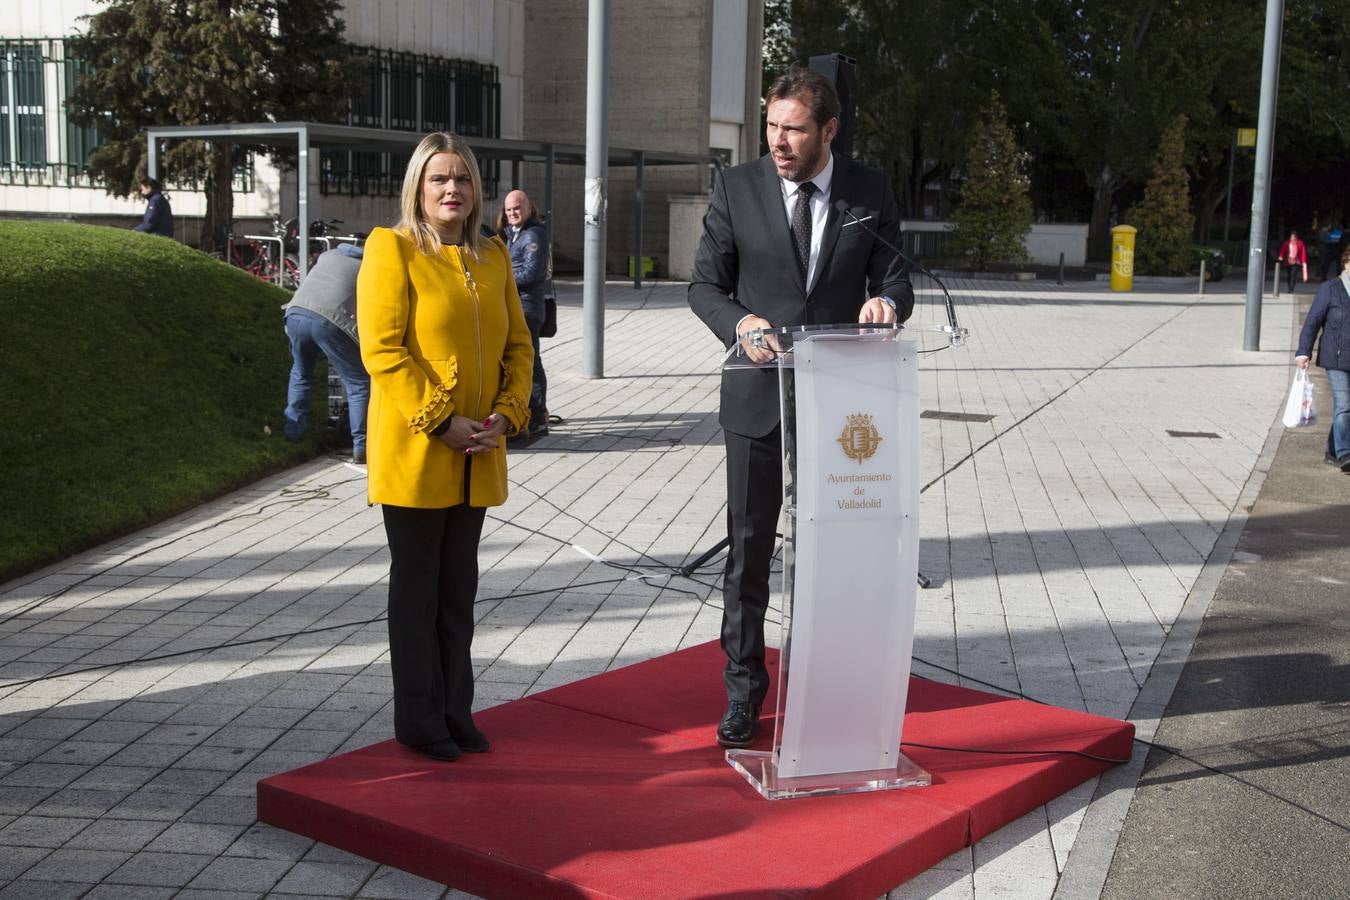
(534, 318)
(433, 578)
(1330, 263)
(754, 497)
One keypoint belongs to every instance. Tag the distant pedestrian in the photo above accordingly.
(1332, 244)
(527, 240)
(158, 218)
(1294, 258)
(321, 317)
(1330, 316)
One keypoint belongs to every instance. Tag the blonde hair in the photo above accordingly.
(412, 218)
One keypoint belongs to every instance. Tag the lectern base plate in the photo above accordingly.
(759, 768)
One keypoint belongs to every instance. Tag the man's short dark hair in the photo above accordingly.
(808, 87)
(152, 183)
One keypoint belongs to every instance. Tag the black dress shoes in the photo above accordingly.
(464, 733)
(737, 728)
(472, 742)
(445, 750)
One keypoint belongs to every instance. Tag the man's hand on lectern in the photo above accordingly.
(757, 353)
(876, 311)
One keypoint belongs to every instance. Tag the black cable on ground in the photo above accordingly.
(1143, 337)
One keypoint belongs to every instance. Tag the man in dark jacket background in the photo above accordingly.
(527, 240)
(158, 218)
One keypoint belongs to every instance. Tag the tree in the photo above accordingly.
(1090, 85)
(204, 62)
(1164, 220)
(994, 214)
(916, 99)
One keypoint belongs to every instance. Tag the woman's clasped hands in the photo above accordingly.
(473, 437)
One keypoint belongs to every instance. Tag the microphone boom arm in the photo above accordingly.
(956, 333)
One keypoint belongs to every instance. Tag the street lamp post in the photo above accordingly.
(1265, 143)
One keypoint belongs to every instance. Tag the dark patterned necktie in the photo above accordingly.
(801, 226)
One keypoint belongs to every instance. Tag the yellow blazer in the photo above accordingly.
(438, 342)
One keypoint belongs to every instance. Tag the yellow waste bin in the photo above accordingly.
(1122, 258)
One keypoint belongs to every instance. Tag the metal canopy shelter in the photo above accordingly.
(307, 135)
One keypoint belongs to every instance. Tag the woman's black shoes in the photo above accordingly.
(473, 742)
(445, 750)
(451, 748)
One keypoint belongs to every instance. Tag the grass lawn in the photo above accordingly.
(140, 377)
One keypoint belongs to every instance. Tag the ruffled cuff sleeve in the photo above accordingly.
(516, 412)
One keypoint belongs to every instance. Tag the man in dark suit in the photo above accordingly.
(787, 240)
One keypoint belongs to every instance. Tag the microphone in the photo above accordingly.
(956, 331)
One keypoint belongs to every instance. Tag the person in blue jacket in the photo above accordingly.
(527, 240)
(1330, 315)
(158, 218)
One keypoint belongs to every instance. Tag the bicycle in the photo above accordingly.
(246, 254)
(261, 261)
(322, 237)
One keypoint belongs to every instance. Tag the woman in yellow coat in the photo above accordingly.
(450, 362)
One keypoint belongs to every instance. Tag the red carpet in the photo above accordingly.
(613, 787)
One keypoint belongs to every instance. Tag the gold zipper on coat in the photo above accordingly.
(477, 326)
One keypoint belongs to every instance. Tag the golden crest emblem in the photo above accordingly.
(859, 438)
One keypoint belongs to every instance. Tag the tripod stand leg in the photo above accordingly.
(717, 548)
(925, 581)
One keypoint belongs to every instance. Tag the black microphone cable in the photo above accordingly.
(957, 334)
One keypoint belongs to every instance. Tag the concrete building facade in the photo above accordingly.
(684, 77)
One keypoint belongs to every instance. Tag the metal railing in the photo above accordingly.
(404, 91)
(415, 93)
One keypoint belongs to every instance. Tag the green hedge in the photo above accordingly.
(140, 377)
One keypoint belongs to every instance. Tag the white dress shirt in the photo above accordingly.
(820, 207)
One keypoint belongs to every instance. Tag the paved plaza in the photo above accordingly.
(1073, 540)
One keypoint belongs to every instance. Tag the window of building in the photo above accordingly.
(23, 115)
(80, 139)
(400, 91)
(415, 93)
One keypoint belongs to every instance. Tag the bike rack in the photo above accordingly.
(269, 240)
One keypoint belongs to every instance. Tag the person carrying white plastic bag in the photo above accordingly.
(1328, 323)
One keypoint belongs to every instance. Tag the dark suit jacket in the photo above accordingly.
(746, 265)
